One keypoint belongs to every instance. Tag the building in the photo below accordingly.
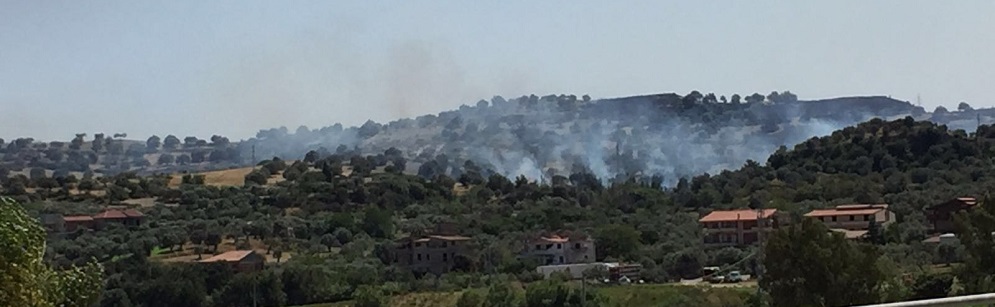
(74, 222)
(941, 216)
(128, 217)
(435, 253)
(736, 227)
(58, 223)
(562, 248)
(239, 260)
(853, 220)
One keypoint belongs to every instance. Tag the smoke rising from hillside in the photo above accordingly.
(666, 135)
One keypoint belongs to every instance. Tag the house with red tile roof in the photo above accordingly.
(74, 222)
(435, 253)
(127, 217)
(941, 216)
(560, 248)
(736, 227)
(239, 260)
(853, 220)
(70, 223)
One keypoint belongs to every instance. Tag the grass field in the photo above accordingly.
(630, 295)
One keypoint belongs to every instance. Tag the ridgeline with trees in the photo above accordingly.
(666, 135)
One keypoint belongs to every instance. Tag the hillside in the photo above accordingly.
(665, 135)
(340, 216)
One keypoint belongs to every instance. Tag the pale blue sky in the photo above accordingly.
(234, 67)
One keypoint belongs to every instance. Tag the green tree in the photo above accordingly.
(370, 296)
(975, 230)
(24, 278)
(153, 143)
(378, 223)
(616, 240)
(875, 235)
(501, 294)
(329, 241)
(547, 293)
(807, 265)
(929, 286)
(171, 142)
(470, 298)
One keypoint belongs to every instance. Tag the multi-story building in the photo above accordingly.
(239, 260)
(563, 248)
(434, 253)
(854, 220)
(941, 216)
(736, 227)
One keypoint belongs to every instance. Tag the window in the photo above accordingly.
(538, 247)
(559, 246)
(867, 217)
(561, 259)
(834, 219)
(577, 245)
(417, 244)
(419, 257)
(445, 257)
(444, 243)
(852, 218)
(428, 257)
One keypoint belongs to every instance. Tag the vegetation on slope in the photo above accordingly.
(340, 227)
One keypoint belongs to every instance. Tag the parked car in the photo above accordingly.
(711, 274)
(716, 279)
(734, 277)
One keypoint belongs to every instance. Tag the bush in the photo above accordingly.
(470, 298)
(369, 296)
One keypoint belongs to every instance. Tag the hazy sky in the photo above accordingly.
(234, 67)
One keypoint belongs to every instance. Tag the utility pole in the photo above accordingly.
(253, 162)
(761, 222)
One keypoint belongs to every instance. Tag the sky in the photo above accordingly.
(234, 67)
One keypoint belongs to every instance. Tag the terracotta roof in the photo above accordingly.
(232, 256)
(735, 215)
(77, 218)
(133, 213)
(966, 201)
(861, 206)
(111, 214)
(555, 239)
(844, 212)
(450, 238)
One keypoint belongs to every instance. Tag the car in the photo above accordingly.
(734, 277)
(716, 279)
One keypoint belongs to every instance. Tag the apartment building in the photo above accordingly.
(853, 220)
(434, 253)
(560, 248)
(736, 227)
